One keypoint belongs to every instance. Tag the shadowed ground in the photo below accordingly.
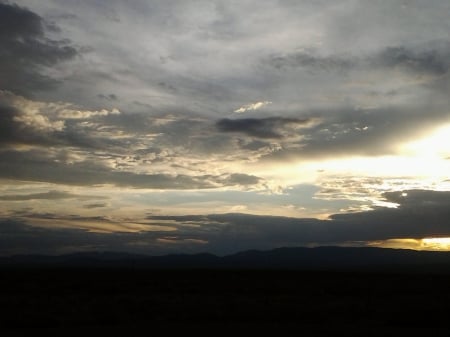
(222, 301)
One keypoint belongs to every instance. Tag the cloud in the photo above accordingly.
(96, 205)
(18, 237)
(86, 114)
(104, 114)
(18, 124)
(242, 179)
(364, 132)
(180, 150)
(311, 60)
(431, 57)
(252, 106)
(26, 50)
(37, 166)
(54, 235)
(50, 195)
(265, 128)
(26, 121)
(68, 145)
(110, 97)
(419, 198)
(420, 214)
(93, 224)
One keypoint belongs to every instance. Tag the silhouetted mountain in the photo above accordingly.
(320, 258)
(333, 258)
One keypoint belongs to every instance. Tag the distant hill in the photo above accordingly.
(320, 258)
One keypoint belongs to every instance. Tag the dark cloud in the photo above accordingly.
(312, 61)
(9, 129)
(23, 237)
(421, 213)
(17, 237)
(426, 58)
(26, 49)
(265, 128)
(419, 198)
(109, 97)
(241, 179)
(434, 60)
(96, 205)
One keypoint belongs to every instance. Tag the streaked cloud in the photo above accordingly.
(270, 128)
(50, 195)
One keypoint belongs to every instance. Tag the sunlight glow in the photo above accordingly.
(436, 243)
(425, 160)
(435, 145)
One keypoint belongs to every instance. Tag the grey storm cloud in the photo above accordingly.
(265, 128)
(26, 50)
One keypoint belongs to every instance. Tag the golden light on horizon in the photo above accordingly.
(436, 243)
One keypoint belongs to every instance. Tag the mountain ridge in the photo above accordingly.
(297, 258)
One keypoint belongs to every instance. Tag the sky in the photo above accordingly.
(156, 127)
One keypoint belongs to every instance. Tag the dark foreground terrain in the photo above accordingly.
(127, 302)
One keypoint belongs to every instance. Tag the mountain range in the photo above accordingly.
(298, 258)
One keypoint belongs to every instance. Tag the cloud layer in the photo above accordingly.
(420, 214)
(294, 109)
